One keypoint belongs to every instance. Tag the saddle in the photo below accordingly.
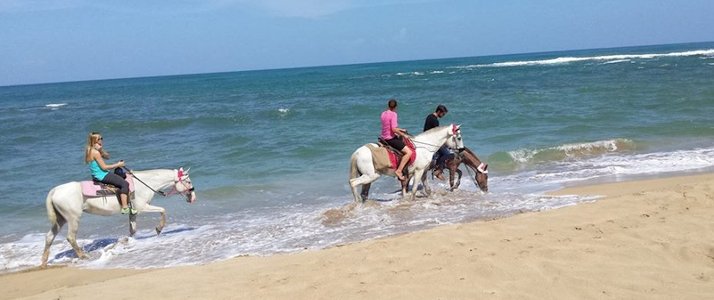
(91, 188)
(395, 155)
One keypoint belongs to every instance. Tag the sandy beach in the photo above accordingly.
(646, 239)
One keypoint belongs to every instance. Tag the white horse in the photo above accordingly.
(363, 171)
(65, 203)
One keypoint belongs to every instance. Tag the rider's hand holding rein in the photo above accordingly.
(401, 132)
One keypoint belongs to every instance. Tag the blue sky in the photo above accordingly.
(54, 41)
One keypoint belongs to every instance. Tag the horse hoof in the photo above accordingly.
(158, 230)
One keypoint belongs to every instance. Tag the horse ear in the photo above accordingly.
(454, 128)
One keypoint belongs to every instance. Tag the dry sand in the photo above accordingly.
(648, 239)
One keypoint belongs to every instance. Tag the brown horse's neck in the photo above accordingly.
(470, 159)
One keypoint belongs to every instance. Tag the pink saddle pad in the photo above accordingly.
(92, 189)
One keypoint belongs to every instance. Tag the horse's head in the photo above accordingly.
(482, 177)
(183, 185)
(454, 140)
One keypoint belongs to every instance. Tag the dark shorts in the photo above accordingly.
(397, 143)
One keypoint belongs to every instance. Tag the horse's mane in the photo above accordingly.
(430, 132)
(470, 158)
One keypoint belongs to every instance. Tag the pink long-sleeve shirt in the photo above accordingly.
(389, 121)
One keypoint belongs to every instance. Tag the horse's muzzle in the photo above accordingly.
(191, 196)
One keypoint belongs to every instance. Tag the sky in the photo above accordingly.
(72, 40)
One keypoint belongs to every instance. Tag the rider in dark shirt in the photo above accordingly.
(432, 120)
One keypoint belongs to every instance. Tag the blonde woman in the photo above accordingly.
(94, 155)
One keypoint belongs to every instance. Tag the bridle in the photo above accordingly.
(188, 188)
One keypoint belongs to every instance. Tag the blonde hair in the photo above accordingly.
(92, 139)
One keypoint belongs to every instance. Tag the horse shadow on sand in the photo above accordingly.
(103, 243)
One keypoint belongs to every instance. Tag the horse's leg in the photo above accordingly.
(405, 185)
(132, 224)
(427, 189)
(49, 238)
(73, 226)
(418, 173)
(158, 209)
(362, 180)
(365, 190)
(458, 180)
(452, 172)
(359, 197)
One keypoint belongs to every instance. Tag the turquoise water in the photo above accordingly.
(269, 150)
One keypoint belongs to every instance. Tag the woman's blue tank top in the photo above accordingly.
(97, 172)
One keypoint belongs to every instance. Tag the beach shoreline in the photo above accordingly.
(644, 239)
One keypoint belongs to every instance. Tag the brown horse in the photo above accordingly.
(467, 157)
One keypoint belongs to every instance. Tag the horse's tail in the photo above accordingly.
(354, 172)
(51, 211)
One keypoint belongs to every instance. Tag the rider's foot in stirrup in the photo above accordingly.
(133, 211)
(125, 210)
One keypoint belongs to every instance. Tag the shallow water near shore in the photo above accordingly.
(269, 150)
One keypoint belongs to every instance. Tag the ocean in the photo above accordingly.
(269, 150)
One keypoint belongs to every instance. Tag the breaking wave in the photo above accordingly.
(606, 58)
(54, 106)
(564, 152)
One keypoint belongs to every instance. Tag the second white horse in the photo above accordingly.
(363, 172)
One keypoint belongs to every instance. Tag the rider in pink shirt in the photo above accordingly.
(392, 134)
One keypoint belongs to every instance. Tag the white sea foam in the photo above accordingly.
(55, 106)
(616, 61)
(266, 230)
(612, 165)
(610, 58)
(410, 73)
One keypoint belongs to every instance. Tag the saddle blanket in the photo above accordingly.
(384, 159)
(97, 189)
(395, 160)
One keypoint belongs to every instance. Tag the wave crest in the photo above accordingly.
(570, 151)
(611, 58)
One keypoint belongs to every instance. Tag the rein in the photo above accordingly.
(418, 142)
(144, 183)
(428, 144)
(162, 193)
(471, 176)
